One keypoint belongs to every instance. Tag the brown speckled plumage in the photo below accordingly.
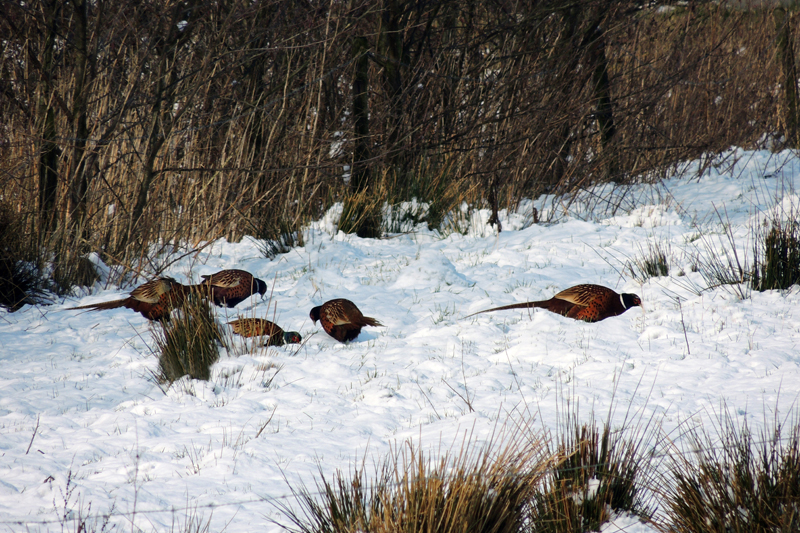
(154, 299)
(232, 286)
(587, 302)
(341, 319)
(259, 327)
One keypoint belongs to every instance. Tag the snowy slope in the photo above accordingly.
(83, 423)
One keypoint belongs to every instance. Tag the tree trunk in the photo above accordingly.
(360, 175)
(79, 184)
(48, 151)
(390, 52)
(602, 93)
(788, 112)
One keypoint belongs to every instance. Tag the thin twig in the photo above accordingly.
(429, 400)
(35, 430)
(267, 422)
(686, 337)
(465, 400)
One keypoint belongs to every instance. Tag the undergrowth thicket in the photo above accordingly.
(254, 118)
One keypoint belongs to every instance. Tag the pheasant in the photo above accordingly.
(154, 299)
(591, 303)
(258, 327)
(230, 287)
(341, 319)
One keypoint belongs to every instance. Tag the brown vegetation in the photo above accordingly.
(128, 125)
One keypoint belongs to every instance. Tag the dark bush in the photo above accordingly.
(22, 279)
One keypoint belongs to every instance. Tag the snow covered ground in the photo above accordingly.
(84, 427)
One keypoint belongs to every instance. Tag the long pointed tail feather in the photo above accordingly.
(524, 305)
(113, 304)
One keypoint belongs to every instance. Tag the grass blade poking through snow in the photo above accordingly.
(652, 262)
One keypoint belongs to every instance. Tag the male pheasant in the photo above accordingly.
(230, 287)
(154, 299)
(258, 327)
(341, 319)
(590, 303)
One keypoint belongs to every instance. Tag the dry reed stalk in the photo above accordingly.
(238, 121)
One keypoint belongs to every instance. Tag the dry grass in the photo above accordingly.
(215, 134)
(777, 257)
(476, 491)
(650, 263)
(188, 343)
(597, 474)
(734, 480)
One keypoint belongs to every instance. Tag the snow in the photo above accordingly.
(84, 428)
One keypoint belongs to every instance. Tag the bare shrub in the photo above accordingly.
(22, 279)
(133, 127)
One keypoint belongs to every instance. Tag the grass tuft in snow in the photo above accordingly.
(650, 263)
(362, 213)
(188, 344)
(414, 492)
(720, 265)
(735, 480)
(597, 474)
(277, 234)
(777, 257)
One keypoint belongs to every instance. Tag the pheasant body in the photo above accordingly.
(590, 303)
(259, 327)
(154, 299)
(231, 287)
(341, 319)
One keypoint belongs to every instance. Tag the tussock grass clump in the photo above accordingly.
(278, 235)
(399, 201)
(777, 257)
(597, 473)
(650, 263)
(412, 492)
(188, 344)
(362, 213)
(738, 481)
(22, 279)
(438, 188)
(721, 266)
